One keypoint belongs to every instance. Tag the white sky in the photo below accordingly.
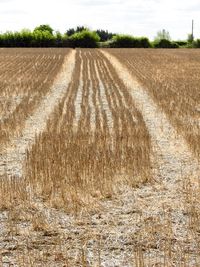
(136, 17)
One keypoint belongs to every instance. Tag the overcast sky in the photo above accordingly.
(136, 17)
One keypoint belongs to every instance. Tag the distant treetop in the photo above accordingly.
(163, 35)
(44, 27)
(71, 31)
(105, 35)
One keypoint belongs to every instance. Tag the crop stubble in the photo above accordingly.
(26, 75)
(95, 142)
(172, 78)
(87, 150)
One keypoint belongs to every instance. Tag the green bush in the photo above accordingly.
(44, 27)
(164, 43)
(196, 43)
(85, 39)
(144, 42)
(43, 39)
(61, 40)
(27, 39)
(123, 41)
(128, 41)
(181, 43)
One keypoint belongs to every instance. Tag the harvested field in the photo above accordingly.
(100, 173)
(26, 76)
(84, 151)
(172, 78)
(13, 158)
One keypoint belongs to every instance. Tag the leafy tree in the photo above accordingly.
(44, 27)
(25, 37)
(71, 31)
(81, 28)
(162, 35)
(7, 39)
(104, 35)
(43, 39)
(85, 38)
(58, 39)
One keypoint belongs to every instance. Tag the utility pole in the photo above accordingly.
(192, 30)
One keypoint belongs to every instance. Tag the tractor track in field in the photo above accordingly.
(11, 159)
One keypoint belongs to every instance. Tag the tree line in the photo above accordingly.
(45, 36)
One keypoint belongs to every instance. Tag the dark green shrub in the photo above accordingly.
(181, 43)
(85, 39)
(196, 43)
(26, 38)
(61, 40)
(104, 35)
(174, 45)
(128, 41)
(71, 31)
(164, 43)
(122, 41)
(144, 42)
